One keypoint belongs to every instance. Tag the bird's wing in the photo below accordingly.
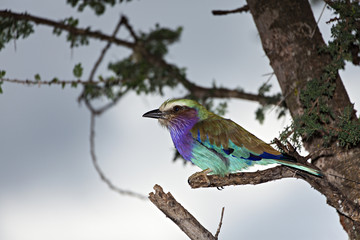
(232, 139)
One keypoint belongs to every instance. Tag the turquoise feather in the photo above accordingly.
(212, 142)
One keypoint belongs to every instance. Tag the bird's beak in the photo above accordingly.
(154, 114)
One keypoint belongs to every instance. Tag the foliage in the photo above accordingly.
(98, 6)
(318, 116)
(138, 73)
(346, 31)
(37, 77)
(78, 70)
(11, 29)
(75, 40)
(264, 107)
(349, 133)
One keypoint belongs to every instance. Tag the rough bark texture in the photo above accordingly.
(179, 215)
(290, 39)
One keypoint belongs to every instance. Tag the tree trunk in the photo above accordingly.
(291, 38)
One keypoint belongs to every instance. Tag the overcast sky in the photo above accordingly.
(48, 186)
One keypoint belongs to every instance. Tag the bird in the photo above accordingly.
(215, 144)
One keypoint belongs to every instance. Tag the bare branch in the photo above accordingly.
(50, 82)
(179, 215)
(105, 49)
(123, 20)
(98, 169)
(241, 178)
(220, 223)
(130, 28)
(244, 8)
(60, 25)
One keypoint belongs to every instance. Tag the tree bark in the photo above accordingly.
(291, 39)
(179, 215)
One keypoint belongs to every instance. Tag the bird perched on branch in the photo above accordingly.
(215, 144)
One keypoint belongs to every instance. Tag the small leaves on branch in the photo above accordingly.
(2, 74)
(266, 105)
(11, 28)
(75, 40)
(98, 6)
(345, 33)
(37, 77)
(318, 120)
(78, 70)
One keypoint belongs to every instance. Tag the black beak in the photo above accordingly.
(154, 114)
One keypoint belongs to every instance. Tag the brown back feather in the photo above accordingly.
(220, 130)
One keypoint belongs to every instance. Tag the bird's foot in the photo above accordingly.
(201, 176)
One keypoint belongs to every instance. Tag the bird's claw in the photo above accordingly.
(201, 176)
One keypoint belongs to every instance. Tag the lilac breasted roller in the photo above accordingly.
(214, 143)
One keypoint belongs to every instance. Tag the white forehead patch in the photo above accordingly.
(168, 105)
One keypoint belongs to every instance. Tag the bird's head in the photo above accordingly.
(178, 113)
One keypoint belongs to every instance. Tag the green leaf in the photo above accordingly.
(2, 74)
(1, 91)
(37, 77)
(78, 70)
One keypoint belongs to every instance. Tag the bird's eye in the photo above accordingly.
(176, 108)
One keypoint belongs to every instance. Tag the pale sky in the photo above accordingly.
(48, 186)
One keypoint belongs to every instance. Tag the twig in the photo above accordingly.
(106, 48)
(244, 8)
(49, 82)
(130, 29)
(179, 215)
(98, 169)
(317, 22)
(122, 21)
(220, 223)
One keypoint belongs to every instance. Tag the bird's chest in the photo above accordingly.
(183, 142)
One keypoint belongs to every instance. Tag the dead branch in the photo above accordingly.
(179, 215)
(220, 224)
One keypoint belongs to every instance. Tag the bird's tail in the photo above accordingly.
(300, 167)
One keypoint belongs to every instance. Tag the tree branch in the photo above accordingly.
(203, 92)
(60, 25)
(244, 8)
(338, 201)
(105, 49)
(242, 178)
(98, 169)
(179, 215)
(50, 82)
(220, 224)
(195, 90)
